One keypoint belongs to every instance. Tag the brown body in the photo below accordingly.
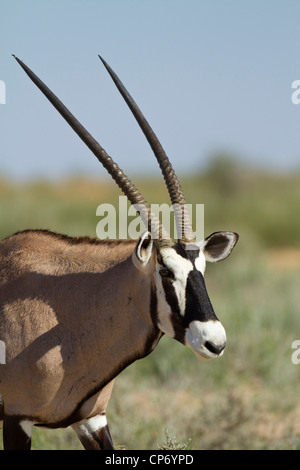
(56, 307)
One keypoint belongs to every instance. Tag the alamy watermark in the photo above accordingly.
(2, 92)
(296, 94)
(126, 223)
(296, 354)
(2, 352)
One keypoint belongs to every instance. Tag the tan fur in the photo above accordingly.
(69, 310)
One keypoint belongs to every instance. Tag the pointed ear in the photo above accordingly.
(143, 251)
(219, 245)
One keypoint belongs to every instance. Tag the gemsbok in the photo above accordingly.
(75, 312)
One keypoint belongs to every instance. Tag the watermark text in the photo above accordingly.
(126, 223)
(2, 353)
(2, 92)
(296, 94)
(296, 354)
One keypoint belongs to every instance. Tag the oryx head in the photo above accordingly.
(184, 310)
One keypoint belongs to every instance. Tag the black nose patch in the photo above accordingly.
(197, 305)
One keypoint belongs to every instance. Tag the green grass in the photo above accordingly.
(258, 205)
(247, 399)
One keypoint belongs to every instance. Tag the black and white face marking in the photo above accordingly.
(184, 309)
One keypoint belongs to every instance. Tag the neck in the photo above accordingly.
(118, 325)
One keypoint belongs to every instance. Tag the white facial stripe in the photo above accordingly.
(181, 268)
(176, 262)
(200, 263)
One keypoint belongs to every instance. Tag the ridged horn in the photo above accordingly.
(149, 218)
(183, 222)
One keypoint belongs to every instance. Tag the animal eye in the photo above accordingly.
(165, 272)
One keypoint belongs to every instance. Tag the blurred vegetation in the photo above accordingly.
(249, 398)
(260, 205)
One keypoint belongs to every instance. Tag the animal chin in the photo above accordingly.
(202, 354)
(195, 343)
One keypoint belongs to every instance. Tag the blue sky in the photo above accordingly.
(210, 75)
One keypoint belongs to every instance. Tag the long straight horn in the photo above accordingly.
(183, 223)
(150, 220)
